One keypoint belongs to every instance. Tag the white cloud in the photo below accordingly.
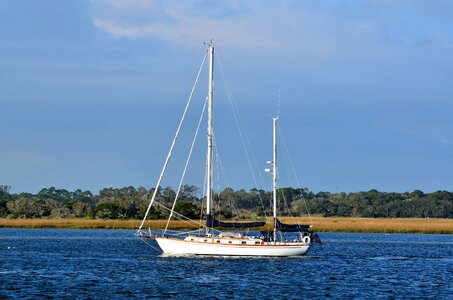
(244, 24)
(360, 43)
(344, 29)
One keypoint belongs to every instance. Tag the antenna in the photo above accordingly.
(278, 105)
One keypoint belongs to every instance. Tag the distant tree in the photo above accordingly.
(109, 210)
(3, 208)
(83, 196)
(417, 194)
(129, 202)
(4, 198)
(30, 208)
(4, 192)
(188, 209)
(80, 209)
(22, 195)
(60, 195)
(223, 213)
(188, 192)
(168, 195)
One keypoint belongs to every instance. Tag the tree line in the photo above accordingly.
(131, 203)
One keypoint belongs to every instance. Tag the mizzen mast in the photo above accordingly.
(274, 175)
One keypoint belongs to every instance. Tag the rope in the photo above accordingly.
(173, 144)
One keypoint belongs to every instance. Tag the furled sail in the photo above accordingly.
(290, 227)
(212, 222)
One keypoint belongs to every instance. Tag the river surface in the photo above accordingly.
(113, 264)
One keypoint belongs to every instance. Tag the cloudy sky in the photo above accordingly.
(91, 91)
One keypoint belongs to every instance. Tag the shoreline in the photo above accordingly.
(320, 224)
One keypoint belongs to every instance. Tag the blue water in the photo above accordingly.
(101, 264)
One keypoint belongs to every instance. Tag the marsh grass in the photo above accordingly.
(444, 226)
(390, 225)
(88, 223)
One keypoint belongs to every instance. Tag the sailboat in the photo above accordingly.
(234, 243)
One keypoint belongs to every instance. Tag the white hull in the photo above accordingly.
(186, 247)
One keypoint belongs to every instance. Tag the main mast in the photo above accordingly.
(209, 218)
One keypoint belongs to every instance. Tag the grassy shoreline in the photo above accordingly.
(321, 224)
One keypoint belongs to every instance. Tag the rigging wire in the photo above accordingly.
(186, 165)
(173, 143)
(291, 183)
(294, 172)
(241, 134)
(205, 187)
(149, 244)
(222, 171)
(181, 217)
(178, 215)
(217, 168)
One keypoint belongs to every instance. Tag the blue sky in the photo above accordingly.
(91, 91)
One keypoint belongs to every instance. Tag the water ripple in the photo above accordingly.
(103, 264)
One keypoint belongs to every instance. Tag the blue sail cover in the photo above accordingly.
(212, 222)
(290, 227)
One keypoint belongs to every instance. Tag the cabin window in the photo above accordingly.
(243, 242)
(191, 240)
(231, 242)
(205, 240)
(218, 241)
(257, 243)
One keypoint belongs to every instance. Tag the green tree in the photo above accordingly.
(188, 209)
(109, 210)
